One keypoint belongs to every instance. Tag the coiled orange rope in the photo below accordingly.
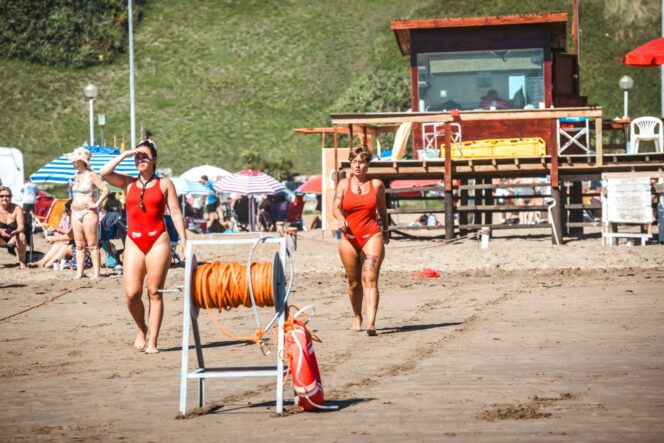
(219, 285)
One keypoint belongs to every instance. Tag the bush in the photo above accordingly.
(385, 90)
(77, 33)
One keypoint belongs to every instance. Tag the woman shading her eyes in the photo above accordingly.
(147, 253)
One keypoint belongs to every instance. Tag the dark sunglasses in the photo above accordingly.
(145, 186)
(140, 200)
(5, 196)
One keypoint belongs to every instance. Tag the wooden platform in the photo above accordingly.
(557, 169)
(568, 165)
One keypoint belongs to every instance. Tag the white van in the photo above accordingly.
(11, 171)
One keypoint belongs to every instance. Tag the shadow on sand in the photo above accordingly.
(411, 328)
(214, 344)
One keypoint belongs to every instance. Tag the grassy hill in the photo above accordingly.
(217, 78)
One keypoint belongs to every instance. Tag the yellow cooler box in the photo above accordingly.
(500, 147)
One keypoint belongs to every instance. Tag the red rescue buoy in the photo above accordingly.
(304, 366)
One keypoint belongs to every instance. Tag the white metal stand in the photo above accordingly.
(190, 318)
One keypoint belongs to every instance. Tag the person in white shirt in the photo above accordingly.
(29, 191)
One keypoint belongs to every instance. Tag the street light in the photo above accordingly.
(101, 119)
(91, 92)
(625, 84)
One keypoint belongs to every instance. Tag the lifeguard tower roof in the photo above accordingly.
(556, 22)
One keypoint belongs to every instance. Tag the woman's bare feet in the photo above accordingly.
(357, 324)
(151, 350)
(139, 344)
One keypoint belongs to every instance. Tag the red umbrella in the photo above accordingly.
(312, 186)
(650, 54)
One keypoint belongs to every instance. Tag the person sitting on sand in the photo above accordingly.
(12, 225)
(62, 242)
(362, 246)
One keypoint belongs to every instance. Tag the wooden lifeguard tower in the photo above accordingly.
(480, 87)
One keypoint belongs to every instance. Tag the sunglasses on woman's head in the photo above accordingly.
(148, 143)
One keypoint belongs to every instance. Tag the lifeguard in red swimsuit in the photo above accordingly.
(362, 246)
(147, 248)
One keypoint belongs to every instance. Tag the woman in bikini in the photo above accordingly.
(85, 210)
(147, 252)
(12, 225)
(362, 246)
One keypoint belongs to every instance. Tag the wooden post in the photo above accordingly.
(336, 158)
(563, 209)
(488, 201)
(555, 194)
(599, 151)
(477, 199)
(576, 215)
(556, 228)
(463, 216)
(449, 198)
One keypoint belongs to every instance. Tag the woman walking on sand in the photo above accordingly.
(147, 249)
(85, 210)
(362, 246)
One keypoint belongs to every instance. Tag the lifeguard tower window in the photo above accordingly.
(499, 79)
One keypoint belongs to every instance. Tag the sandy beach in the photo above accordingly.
(525, 341)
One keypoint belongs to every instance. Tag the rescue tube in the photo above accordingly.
(303, 365)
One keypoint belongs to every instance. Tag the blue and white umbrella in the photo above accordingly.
(61, 170)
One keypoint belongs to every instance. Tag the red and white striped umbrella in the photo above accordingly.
(249, 182)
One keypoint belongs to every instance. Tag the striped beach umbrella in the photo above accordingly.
(61, 170)
(249, 182)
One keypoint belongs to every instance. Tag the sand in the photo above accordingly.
(525, 341)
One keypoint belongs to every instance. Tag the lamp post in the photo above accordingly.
(625, 84)
(101, 119)
(91, 92)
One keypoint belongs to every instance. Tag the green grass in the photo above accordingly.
(217, 78)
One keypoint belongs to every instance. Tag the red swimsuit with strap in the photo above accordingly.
(360, 212)
(145, 226)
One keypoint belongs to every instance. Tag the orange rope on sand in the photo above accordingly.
(219, 285)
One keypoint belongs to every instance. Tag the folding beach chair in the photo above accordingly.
(111, 227)
(174, 238)
(54, 214)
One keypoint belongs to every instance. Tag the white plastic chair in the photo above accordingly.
(649, 128)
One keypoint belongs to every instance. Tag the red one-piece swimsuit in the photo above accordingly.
(145, 226)
(360, 212)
